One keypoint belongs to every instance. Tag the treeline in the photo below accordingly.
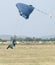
(30, 39)
(1, 40)
(34, 39)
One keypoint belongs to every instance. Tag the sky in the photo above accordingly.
(37, 25)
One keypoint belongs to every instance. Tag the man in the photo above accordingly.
(13, 43)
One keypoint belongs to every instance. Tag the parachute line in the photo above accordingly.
(45, 13)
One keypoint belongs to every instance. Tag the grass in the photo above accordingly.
(28, 55)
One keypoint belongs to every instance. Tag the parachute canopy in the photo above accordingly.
(24, 9)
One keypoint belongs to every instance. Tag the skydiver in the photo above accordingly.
(13, 43)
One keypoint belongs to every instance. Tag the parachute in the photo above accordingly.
(25, 10)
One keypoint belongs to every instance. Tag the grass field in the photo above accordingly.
(28, 55)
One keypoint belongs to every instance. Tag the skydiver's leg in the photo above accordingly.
(14, 44)
(10, 46)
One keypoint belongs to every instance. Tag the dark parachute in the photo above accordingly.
(24, 9)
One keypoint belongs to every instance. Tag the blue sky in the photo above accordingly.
(37, 25)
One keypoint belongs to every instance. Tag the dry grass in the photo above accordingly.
(28, 55)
